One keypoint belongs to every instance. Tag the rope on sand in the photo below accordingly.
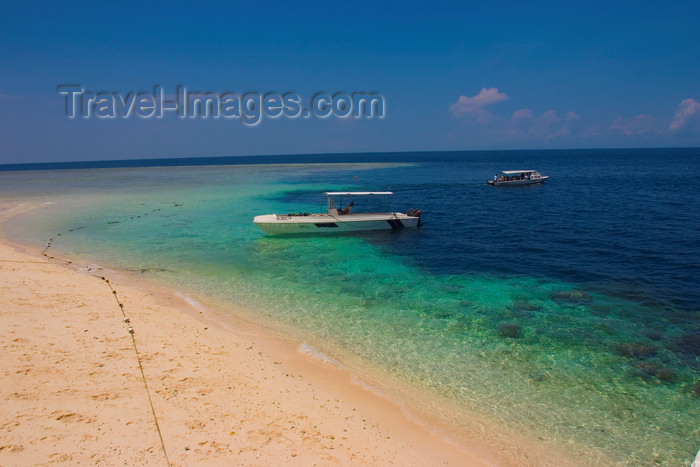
(138, 359)
(130, 329)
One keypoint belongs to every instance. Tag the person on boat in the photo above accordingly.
(347, 209)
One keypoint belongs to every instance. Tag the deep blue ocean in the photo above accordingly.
(569, 310)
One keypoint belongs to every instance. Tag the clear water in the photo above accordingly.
(568, 310)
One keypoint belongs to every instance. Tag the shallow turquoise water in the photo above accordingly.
(546, 355)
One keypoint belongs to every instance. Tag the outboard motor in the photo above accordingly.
(415, 213)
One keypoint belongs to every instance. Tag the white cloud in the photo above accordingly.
(642, 124)
(524, 124)
(466, 105)
(523, 114)
(687, 110)
(549, 117)
(562, 132)
(528, 127)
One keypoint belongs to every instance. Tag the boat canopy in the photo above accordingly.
(357, 193)
(514, 172)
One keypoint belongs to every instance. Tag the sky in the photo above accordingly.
(445, 76)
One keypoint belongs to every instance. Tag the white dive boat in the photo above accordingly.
(517, 177)
(338, 218)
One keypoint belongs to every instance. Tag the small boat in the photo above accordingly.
(339, 217)
(517, 177)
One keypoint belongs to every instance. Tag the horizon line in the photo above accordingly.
(218, 160)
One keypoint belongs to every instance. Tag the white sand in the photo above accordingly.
(78, 388)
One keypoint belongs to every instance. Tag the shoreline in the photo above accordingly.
(221, 390)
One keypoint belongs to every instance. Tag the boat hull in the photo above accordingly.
(535, 181)
(324, 224)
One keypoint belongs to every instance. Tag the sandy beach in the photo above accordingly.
(100, 369)
(98, 373)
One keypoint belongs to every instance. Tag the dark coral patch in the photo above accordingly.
(629, 349)
(695, 390)
(687, 344)
(510, 330)
(571, 296)
(653, 370)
